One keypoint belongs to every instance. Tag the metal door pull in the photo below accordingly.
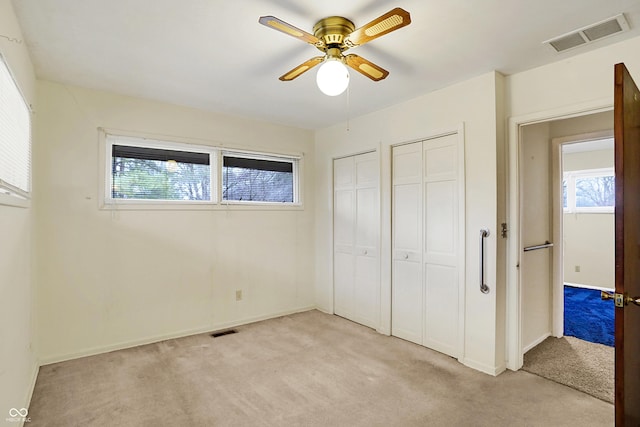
(545, 245)
(484, 232)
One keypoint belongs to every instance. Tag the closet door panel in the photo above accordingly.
(343, 236)
(407, 218)
(441, 285)
(425, 243)
(356, 237)
(441, 314)
(407, 288)
(407, 300)
(366, 293)
(441, 222)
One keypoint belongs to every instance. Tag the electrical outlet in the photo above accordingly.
(577, 269)
(239, 295)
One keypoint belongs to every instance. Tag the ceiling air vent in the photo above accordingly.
(591, 33)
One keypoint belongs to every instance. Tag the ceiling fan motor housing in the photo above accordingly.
(333, 31)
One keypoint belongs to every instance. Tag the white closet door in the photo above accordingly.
(441, 285)
(356, 239)
(427, 257)
(343, 235)
(407, 289)
(366, 281)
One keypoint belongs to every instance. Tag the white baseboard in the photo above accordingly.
(536, 342)
(32, 385)
(483, 367)
(324, 310)
(47, 360)
(597, 288)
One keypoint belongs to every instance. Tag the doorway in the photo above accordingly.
(588, 234)
(547, 253)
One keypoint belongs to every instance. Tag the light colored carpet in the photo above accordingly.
(308, 369)
(585, 366)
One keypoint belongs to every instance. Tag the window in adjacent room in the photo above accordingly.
(15, 137)
(258, 178)
(144, 170)
(592, 190)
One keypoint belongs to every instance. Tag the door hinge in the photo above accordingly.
(503, 230)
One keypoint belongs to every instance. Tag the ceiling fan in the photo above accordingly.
(333, 36)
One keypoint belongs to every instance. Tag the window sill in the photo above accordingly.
(142, 205)
(14, 201)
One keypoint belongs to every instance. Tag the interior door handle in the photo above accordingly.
(484, 232)
(619, 299)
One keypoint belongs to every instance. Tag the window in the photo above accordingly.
(157, 170)
(591, 190)
(162, 174)
(247, 178)
(15, 137)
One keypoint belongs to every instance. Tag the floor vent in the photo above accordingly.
(589, 34)
(223, 333)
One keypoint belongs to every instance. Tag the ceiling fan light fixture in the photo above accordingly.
(332, 77)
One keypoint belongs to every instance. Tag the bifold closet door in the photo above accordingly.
(356, 239)
(426, 253)
(441, 251)
(407, 289)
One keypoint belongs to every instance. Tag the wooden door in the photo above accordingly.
(627, 219)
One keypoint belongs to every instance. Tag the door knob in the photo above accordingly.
(606, 295)
(620, 300)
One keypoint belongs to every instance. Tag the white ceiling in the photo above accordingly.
(214, 55)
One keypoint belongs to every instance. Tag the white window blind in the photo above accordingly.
(15, 136)
(158, 170)
(248, 178)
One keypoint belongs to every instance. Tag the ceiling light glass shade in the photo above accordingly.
(332, 77)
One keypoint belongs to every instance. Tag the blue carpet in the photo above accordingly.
(587, 317)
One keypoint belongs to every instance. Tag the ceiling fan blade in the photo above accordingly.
(390, 21)
(277, 24)
(366, 68)
(302, 68)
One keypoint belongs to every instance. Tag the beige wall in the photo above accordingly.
(589, 238)
(598, 159)
(114, 278)
(573, 85)
(589, 242)
(18, 359)
(422, 117)
(569, 87)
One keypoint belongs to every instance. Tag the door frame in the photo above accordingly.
(515, 354)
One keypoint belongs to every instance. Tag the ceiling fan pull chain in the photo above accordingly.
(348, 109)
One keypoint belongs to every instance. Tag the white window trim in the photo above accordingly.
(294, 160)
(571, 176)
(105, 202)
(9, 194)
(115, 139)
